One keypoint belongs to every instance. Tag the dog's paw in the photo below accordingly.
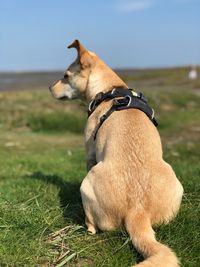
(91, 230)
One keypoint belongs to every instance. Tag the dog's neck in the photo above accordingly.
(102, 79)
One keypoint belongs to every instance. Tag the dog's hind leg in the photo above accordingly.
(138, 226)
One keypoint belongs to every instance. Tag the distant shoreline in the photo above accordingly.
(32, 80)
(116, 69)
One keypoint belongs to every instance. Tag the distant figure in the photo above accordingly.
(192, 75)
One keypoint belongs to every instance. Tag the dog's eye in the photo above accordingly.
(66, 76)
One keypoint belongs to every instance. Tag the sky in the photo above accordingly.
(34, 34)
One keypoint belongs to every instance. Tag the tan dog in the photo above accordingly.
(128, 183)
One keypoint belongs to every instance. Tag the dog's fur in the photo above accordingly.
(128, 182)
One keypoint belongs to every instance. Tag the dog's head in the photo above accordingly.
(75, 80)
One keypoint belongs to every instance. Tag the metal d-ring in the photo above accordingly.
(113, 90)
(90, 106)
(129, 100)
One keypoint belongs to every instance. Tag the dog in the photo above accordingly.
(128, 183)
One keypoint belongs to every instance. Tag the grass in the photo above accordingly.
(56, 121)
(42, 161)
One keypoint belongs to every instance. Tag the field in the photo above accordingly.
(42, 163)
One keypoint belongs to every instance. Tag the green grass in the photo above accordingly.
(57, 122)
(42, 159)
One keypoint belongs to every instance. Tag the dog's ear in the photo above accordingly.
(84, 57)
(79, 47)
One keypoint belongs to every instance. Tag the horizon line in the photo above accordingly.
(115, 68)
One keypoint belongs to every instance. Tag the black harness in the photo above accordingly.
(122, 99)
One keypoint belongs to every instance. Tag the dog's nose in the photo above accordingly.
(52, 85)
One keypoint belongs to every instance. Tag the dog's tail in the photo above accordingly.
(143, 238)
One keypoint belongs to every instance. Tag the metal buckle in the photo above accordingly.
(120, 102)
(129, 100)
(153, 113)
(90, 105)
(95, 101)
(113, 90)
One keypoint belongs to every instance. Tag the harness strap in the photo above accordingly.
(116, 92)
(129, 99)
(103, 118)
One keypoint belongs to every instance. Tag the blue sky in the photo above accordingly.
(124, 33)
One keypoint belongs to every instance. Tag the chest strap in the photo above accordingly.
(128, 99)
